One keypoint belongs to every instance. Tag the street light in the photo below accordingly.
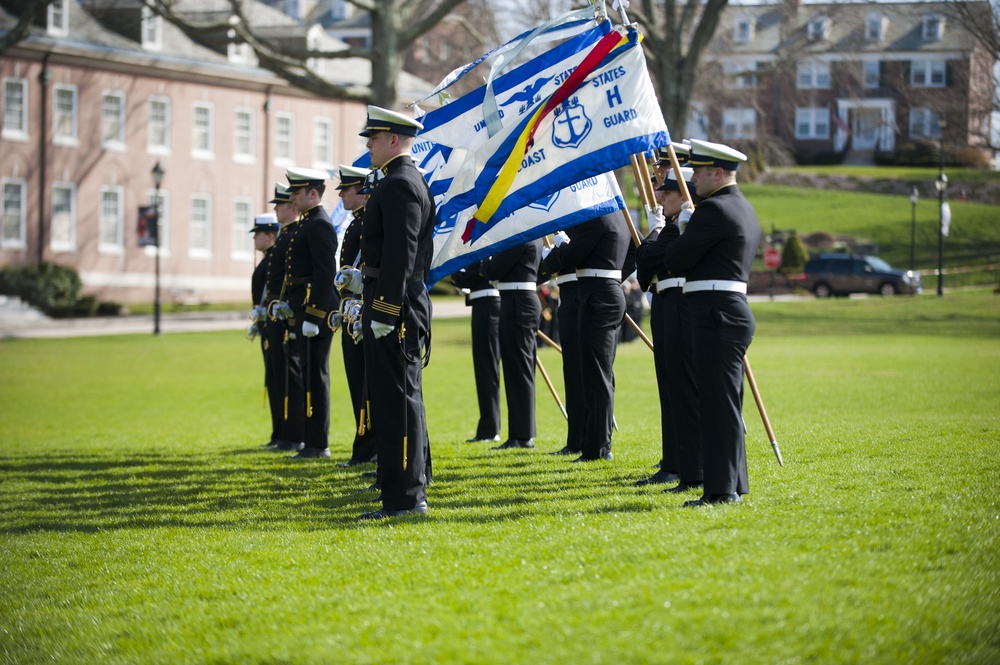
(157, 179)
(913, 227)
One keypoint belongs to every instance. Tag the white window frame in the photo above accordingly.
(19, 133)
(927, 70)
(245, 135)
(163, 223)
(68, 244)
(118, 245)
(739, 76)
(735, 123)
(200, 252)
(871, 79)
(322, 155)
(817, 28)
(237, 53)
(151, 30)
(815, 118)
(932, 27)
(241, 230)
(743, 30)
(197, 151)
(279, 158)
(20, 242)
(924, 121)
(812, 75)
(117, 142)
(57, 18)
(875, 25)
(73, 138)
(152, 147)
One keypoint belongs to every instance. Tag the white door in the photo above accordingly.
(864, 128)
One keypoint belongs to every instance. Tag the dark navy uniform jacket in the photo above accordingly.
(517, 264)
(277, 261)
(311, 266)
(601, 242)
(352, 240)
(259, 278)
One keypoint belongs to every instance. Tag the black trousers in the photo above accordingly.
(569, 339)
(601, 310)
(275, 396)
(285, 368)
(486, 363)
(394, 373)
(673, 349)
(520, 312)
(314, 353)
(363, 449)
(722, 329)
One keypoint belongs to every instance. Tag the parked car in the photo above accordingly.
(841, 274)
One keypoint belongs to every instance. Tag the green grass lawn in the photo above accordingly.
(142, 524)
(914, 174)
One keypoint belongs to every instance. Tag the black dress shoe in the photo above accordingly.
(510, 444)
(711, 499)
(419, 509)
(374, 487)
(566, 450)
(273, 443)
(291, 446)
(684, 486)
(354, 462)
(487, 439)
(583, 458)
(312, 453)
(661, 477)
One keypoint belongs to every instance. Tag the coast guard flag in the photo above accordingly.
(604, 112)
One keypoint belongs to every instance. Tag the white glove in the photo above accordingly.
(309, 329)
(281, 311)
(545, 252)
(684, 216)
(336, 320)
(656, 219)
(350, 279)
(559, 238)
(380, 329)
(258, 314)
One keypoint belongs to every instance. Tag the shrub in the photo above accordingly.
(793, 256)
(109, 309)
(50, 287)
(924, 152)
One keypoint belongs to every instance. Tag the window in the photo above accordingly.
(158, 127)
(243, 139)
(111, 225)
(152, 30)
(63, 227)
(812, 123)
(113, 120)
(737, 75)
(15, 108)
(58, 17)
(813, 75)
(292, 9)
(743, 31)
(284, 138)
(15, 214)
(924, 124)
(817, 28)
(871, 74)
(338, 9)
(64, 119)
(928, 73)
(237, 52)
(201, 137)
(875, 26)
(322, 142)
(200, 232)
(242, 223)
(739, 123)
(933, 27)
(163, 223)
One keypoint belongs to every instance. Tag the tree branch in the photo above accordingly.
(23, 26)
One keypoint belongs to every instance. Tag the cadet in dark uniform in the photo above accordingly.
(396, 252)
(672, 349)
(484, 299)
(515, 273)
(714, 253)
(265, 232)
(309, 274)
(597, 250)
(279, 329)
(352, 181)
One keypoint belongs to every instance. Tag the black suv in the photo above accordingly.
(840, 274)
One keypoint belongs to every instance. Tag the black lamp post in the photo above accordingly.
(913, 228)
(157, 179)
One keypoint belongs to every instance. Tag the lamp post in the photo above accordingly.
(157, 179)
(913, 227)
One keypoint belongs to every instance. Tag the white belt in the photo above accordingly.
(715, 285)
(516, 286)
(562, 279)
(671, 283)
(484, 293)
(597, 272)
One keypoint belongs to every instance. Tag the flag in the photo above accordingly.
(593, 197)
(604, 112)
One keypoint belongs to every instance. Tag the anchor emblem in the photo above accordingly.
(571, 125)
